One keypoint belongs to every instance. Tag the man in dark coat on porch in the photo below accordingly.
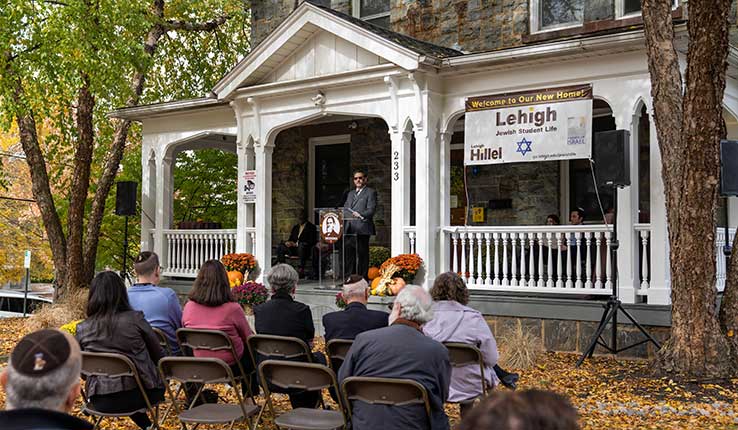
(303, 237)
(356, 318)
(401, 351)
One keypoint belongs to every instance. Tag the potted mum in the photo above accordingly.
(250, 294)
(238, 266)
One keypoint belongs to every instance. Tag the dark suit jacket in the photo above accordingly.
(309, 234)
(365, 204)
(399, 351)
(355, 319)
(283, 316)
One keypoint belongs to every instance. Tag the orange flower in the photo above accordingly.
(239, 262)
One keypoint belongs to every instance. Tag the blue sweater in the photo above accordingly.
(161, 309)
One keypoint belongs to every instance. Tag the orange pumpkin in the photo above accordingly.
(373, 273)
(397, 285)
(235, 278)
(375, 283)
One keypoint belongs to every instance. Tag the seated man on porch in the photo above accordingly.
(302, 239)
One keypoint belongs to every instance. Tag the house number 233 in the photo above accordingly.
(396, 166)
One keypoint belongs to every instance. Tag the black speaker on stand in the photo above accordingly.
(728, 182)
(611, 159)
(125, 205)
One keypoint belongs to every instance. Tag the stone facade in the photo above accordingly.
(266, 15)
(370, 150)
(574, 336)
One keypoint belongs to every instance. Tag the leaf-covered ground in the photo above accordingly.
(608, 393)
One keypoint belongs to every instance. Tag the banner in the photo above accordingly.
(538, 125)
(249, 187)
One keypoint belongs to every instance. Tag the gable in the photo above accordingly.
(323, 54)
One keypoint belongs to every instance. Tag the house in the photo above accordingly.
(384, 86)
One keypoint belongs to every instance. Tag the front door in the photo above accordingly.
(332, 174)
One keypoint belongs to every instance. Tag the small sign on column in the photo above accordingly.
(249, 187)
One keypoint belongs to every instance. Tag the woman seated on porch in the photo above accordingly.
(113, 326)
(212, 307)
(453, 321)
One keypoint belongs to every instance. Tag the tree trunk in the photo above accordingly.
(688, 140)
(729, 306)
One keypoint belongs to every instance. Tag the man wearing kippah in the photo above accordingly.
(356, 318)
(41, 383)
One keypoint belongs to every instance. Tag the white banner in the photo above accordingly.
(545, 125)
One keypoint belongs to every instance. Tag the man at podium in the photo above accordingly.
(361, 202)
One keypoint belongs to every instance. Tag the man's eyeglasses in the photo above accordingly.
(359, 178)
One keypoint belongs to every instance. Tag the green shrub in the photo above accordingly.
(378, 255)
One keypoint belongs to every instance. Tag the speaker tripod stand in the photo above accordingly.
(613, 306)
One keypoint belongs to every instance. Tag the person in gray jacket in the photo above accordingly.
(361, 203)
(401, 351)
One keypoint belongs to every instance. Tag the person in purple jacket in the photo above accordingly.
(456, 322)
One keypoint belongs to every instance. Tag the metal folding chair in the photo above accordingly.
(464, 354)
(337, 349)
(206, 371)
(163, 341)
(303, 376)
(113, 365)
(384, 391)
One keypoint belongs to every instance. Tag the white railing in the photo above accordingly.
(186, 250)
(550, 259)
(643, 237)
(722, 266)
(409, 245)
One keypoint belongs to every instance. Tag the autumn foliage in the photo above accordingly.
(243, 262)
(407, 266)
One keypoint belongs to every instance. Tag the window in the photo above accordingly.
(633, 7)
(553, 14)
(376, 12)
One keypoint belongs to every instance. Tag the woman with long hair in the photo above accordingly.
(212, 307)
(112, 326)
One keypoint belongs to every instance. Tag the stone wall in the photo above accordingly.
(532, 187)
(266, 15)
(574, 336)
(370, 150)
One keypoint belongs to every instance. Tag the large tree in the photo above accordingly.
(69, 63)
(688, 109)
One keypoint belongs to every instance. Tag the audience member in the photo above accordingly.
(41, 383)
(355, 318)
(159, 305)
(553, 219)
(113, 326)
(522, 410)
(453, 321)
(576, 217)
(282, 315)
(300, 243)
(212, 307)
(401, 351)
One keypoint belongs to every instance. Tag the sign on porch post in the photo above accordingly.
(537, 125)
(249, 188)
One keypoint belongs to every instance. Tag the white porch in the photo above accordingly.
(316, 66)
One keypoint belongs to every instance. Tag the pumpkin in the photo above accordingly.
(373, 273)
(375, 282)
(235, 278)
(397, 285)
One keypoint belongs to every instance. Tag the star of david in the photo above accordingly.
(524, 147)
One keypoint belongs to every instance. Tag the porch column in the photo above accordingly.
(444, 184)
(245, 214)
(148, 199)
(426, 206)
(263, 207)
(628, 279)
(659, 291)
(164, 190)
(400, 189)
(733, 212)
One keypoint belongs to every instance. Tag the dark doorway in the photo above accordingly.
(332, 174)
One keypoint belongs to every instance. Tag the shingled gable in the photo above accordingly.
(308, 20)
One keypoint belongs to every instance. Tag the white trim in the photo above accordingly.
(620, 9)
(356, 11)
(535, 25)
(337, 139)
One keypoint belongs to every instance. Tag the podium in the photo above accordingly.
(331, 224)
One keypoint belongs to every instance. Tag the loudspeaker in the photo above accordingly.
(611, 155)
(729, 168)
(125, 198)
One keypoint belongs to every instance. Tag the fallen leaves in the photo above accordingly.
(609, 394)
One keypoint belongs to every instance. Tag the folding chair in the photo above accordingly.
(464, 354)
(111, 365)
(215, 340)
(337, 349)
(206, 371)
(384, 391)
(303, 376)
(278, 348)
(163, 341)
